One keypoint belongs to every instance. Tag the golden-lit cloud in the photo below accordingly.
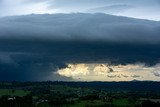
(74, 70)
(105, 72)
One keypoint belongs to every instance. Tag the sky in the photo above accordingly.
(144, 9)
(79, 40)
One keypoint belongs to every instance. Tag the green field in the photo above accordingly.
(62, 94)
(85, 103)
(10, 92)
(96, 103)
(121, 102)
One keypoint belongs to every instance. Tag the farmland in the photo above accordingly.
(79, 94)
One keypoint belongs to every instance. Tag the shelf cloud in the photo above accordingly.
(34, 47)
(80, 27)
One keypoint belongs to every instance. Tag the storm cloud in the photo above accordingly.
(33, 47)
(80, 27)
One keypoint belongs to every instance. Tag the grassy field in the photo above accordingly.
(117, 102)
(86, 103)
(121, 102)
(19, 93)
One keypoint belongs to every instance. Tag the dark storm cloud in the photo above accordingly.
(33, 47)
(80, 27)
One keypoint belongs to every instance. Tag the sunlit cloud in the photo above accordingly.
(105, 72)
(74, 70)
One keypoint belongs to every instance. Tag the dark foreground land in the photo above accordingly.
(80, 94)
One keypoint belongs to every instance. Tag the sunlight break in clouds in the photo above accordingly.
(105, 72)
